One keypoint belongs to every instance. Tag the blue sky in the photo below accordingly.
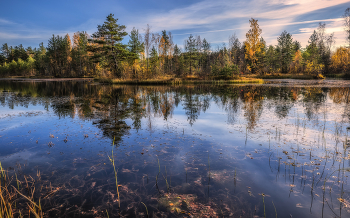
(31, 22)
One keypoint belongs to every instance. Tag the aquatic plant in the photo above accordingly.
(145, 207)
(8, 197)
(111, 159)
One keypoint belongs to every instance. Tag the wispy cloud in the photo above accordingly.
(12, 31)
(274, 16)
(4, 21)
(214, 20)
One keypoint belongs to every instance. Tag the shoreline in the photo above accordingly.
(256, 79)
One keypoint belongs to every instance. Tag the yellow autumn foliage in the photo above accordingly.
(340, 59)
(313, 68)
(253, 44)
(296, 65)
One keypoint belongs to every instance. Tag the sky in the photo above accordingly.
(32, 22)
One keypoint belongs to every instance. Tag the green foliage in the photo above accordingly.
(228, 70)
(13, 67)
(18, 68)
(285, 43)
(154, 61)
(80, 59)
(191, 53)
(59, 55)
(135, 45)
(107, 47)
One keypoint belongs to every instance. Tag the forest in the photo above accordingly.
(154, 55)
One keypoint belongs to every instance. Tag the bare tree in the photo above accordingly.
(147, 42)
(199, 45)
(346, 17)
(171, 50)
(234, 49)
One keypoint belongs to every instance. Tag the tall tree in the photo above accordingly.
(346, 17)
(253, 44)
(54, 54)
(206, 53)
(164, 47)
(154, 61)
(285, 43)
(234, 47)
(41, 59)
(177, 59)
(136, 47)
(67, 54)
(5, 51)
(79, 52)
(191, 50)
(147, 43)
(108, 43)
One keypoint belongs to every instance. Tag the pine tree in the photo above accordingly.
(136, 47)
(107, 44)
(285, 43)
(191, 50)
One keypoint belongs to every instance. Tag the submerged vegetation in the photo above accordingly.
(150, 57)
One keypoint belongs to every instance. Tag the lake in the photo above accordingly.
(278, 149)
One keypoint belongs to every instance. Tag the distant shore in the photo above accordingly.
(189, 79)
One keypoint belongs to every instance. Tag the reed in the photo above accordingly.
(115, 172)
(5, 196)
(35, 208)
(275, 208)
(166, 180)
(158, 175)
(263, 196)
(9, 194)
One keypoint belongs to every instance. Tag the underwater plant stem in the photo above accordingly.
(263, 195)
(275, 208)
(115, 173)
(145, 207)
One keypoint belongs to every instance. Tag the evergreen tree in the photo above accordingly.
(191, 50)
(136, 47)
(108, 44)
(79, 53)
(40, 59)
(154, 61)
(206, 54)
(285, 43)
(54, 54)
(176, 59)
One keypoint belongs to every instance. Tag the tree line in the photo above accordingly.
(154, 55)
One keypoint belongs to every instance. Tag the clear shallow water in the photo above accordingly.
(220, 151)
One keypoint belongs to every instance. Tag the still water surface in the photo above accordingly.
(277, 149)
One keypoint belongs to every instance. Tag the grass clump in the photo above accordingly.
(9, 195)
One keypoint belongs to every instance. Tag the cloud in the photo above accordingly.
(3, 21)
(223, 16)
(12, 31)
(214, 20)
